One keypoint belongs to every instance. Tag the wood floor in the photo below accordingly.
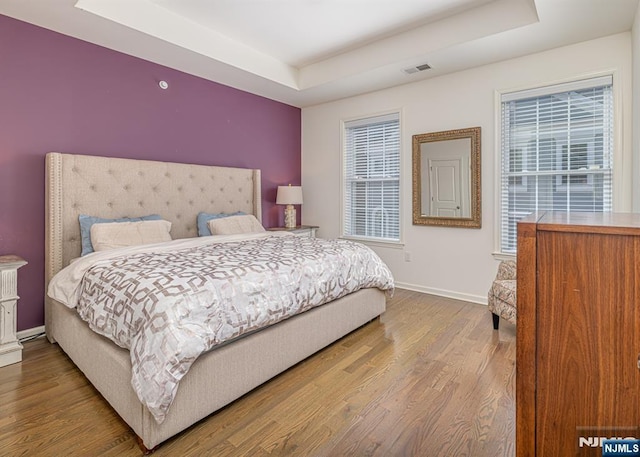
(430, 378)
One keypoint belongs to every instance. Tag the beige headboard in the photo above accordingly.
(109, 187)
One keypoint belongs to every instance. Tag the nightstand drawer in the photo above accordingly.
(301, 230)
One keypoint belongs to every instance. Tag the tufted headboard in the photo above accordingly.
(109, 187)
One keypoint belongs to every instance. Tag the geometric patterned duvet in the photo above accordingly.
(169, 306)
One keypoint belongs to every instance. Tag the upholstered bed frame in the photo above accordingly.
(108, 187)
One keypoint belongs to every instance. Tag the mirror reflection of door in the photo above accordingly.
(445, 176)
(446, 167)
(444, 180)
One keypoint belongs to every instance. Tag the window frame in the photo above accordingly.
(344, 124)
(619, 155)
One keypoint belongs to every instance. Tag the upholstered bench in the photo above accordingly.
(502, 295)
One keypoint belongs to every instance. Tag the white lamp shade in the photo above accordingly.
(289, 195)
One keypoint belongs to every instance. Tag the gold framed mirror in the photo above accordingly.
(446, 178)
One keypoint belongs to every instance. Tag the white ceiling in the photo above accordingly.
(304, 52)
(299, 33)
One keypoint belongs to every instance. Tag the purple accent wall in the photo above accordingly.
(61, 94)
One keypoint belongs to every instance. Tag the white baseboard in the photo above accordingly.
(30, 332)
(480, 299)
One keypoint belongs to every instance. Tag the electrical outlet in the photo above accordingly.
(407, 256)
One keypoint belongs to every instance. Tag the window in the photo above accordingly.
(372, 178)
(556, 152)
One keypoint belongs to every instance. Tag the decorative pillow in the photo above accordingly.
(204, 218)
(235, 224)
(87, 221)
(112, 235)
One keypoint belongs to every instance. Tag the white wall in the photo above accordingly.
(455, 262)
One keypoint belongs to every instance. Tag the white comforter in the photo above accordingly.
(169, 302)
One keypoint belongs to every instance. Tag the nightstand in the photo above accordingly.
(300, 230)
(10, 347)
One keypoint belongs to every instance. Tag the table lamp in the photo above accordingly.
(289, 195)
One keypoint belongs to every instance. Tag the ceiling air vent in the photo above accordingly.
(417, 68)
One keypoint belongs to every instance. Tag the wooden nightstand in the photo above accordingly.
(300, 230)
(10, 347)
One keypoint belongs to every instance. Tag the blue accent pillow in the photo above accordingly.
(87, 221)
(203, 218)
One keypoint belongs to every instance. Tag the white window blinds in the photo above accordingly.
(556, 152)
(372, 178)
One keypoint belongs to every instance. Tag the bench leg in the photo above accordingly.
(496, 321)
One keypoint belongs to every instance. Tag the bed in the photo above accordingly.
(111, 187)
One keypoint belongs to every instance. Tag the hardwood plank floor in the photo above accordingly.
(430, 378)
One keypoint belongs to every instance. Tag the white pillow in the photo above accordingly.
(114, 235)
(235, 224)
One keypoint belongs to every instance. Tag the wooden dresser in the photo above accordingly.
(578, 332)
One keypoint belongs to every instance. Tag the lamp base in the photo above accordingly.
(290, 217)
